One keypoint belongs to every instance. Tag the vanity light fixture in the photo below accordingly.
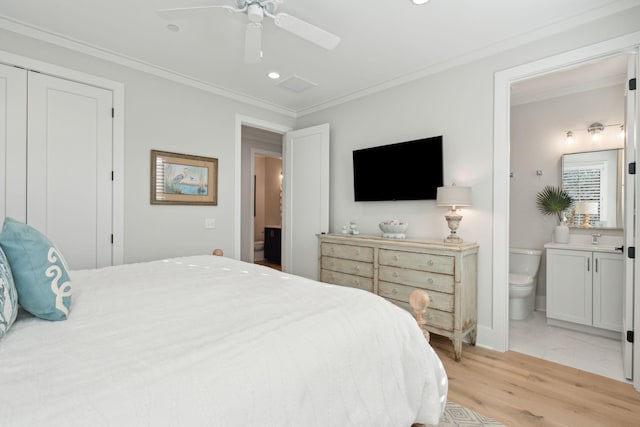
(273, 75)
(453, 197)
(595, 129)
(569, 137)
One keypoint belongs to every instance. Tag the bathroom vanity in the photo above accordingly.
(585, 286)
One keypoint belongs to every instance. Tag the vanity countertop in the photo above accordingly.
(585, 246)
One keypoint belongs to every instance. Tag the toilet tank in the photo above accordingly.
(524, 261)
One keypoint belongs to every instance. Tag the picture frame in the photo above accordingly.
(183, 179)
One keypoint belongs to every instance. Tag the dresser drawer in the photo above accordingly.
(417, 261)
(349, 280)
(416, 278)
(359, 268)
(439, 301)
(356, 253)
(433, 318)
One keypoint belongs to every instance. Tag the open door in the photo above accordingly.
(629, 217)
(306, 198)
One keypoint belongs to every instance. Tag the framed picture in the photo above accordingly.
(182, 179)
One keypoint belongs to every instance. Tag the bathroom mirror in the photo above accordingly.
(594, 180)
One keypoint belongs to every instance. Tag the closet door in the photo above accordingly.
(69, 183)
(13, 143)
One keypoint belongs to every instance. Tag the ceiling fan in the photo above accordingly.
(256, 10)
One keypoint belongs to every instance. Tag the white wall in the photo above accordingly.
(163, 115)
(458, 104)
(538, 141)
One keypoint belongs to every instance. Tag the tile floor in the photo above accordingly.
(602, 356)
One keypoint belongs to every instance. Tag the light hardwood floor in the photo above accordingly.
(520, 390)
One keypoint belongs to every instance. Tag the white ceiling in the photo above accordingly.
(383, 42)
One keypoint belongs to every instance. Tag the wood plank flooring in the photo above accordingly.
(520, 390)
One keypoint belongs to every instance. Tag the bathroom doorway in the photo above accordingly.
(261, 172)
(267, 208)
(549, 117)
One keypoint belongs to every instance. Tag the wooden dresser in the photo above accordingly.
(393, 268)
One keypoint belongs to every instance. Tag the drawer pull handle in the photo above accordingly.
(430, 280)
(394, 291)
(430, 262)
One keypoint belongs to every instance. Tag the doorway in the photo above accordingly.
(544, 110)
(261, 156)
(267, 208)
(498, 335)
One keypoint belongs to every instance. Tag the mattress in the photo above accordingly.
(211, 341)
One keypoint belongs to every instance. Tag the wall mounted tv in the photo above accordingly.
(409, 170)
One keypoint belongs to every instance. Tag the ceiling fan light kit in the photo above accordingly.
(255, 10)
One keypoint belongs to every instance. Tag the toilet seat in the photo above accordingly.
(519, 279)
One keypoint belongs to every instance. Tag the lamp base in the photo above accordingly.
(453, 238)
(453, 221)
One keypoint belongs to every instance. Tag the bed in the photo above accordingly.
(212, 341)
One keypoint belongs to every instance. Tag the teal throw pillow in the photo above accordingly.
(39, 271)
(8, 296)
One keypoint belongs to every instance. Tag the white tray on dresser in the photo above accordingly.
(392, 268)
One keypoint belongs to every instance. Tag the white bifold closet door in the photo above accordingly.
(68, 167)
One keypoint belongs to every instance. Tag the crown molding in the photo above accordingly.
(41, 34)
(80, 46)
(546, 31)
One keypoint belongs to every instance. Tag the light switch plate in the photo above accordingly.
(209, 223)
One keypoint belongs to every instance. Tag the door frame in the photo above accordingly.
(497, 335)
(118, 135)
(241, 120)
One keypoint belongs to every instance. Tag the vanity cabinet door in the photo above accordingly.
(569, 286)
(608, 282)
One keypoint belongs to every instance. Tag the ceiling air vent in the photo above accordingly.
(296, 84)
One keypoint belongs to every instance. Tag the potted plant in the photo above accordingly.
(554, 200)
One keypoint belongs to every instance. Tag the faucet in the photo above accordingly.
(594, 238)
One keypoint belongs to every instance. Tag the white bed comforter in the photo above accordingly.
(210, 341)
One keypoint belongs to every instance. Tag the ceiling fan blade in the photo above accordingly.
(307, 31)
(253, 43)
(175, 9)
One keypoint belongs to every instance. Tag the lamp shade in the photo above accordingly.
(453, 196)
(586, 207)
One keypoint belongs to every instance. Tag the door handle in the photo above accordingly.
(588, 264)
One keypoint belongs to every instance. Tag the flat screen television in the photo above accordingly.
(409, 170)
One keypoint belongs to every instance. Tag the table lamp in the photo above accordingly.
(453, 197)
(586, 208)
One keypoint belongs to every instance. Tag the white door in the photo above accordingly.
(69, 181)
(306, 198)
(629, 219)
(13, 138)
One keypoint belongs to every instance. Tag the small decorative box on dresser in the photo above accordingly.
(393, 268)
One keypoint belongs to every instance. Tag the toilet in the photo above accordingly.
(258, 250)
(523, 277)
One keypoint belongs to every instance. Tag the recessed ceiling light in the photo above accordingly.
(173, 27)
(273, 75)
(419, 1)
